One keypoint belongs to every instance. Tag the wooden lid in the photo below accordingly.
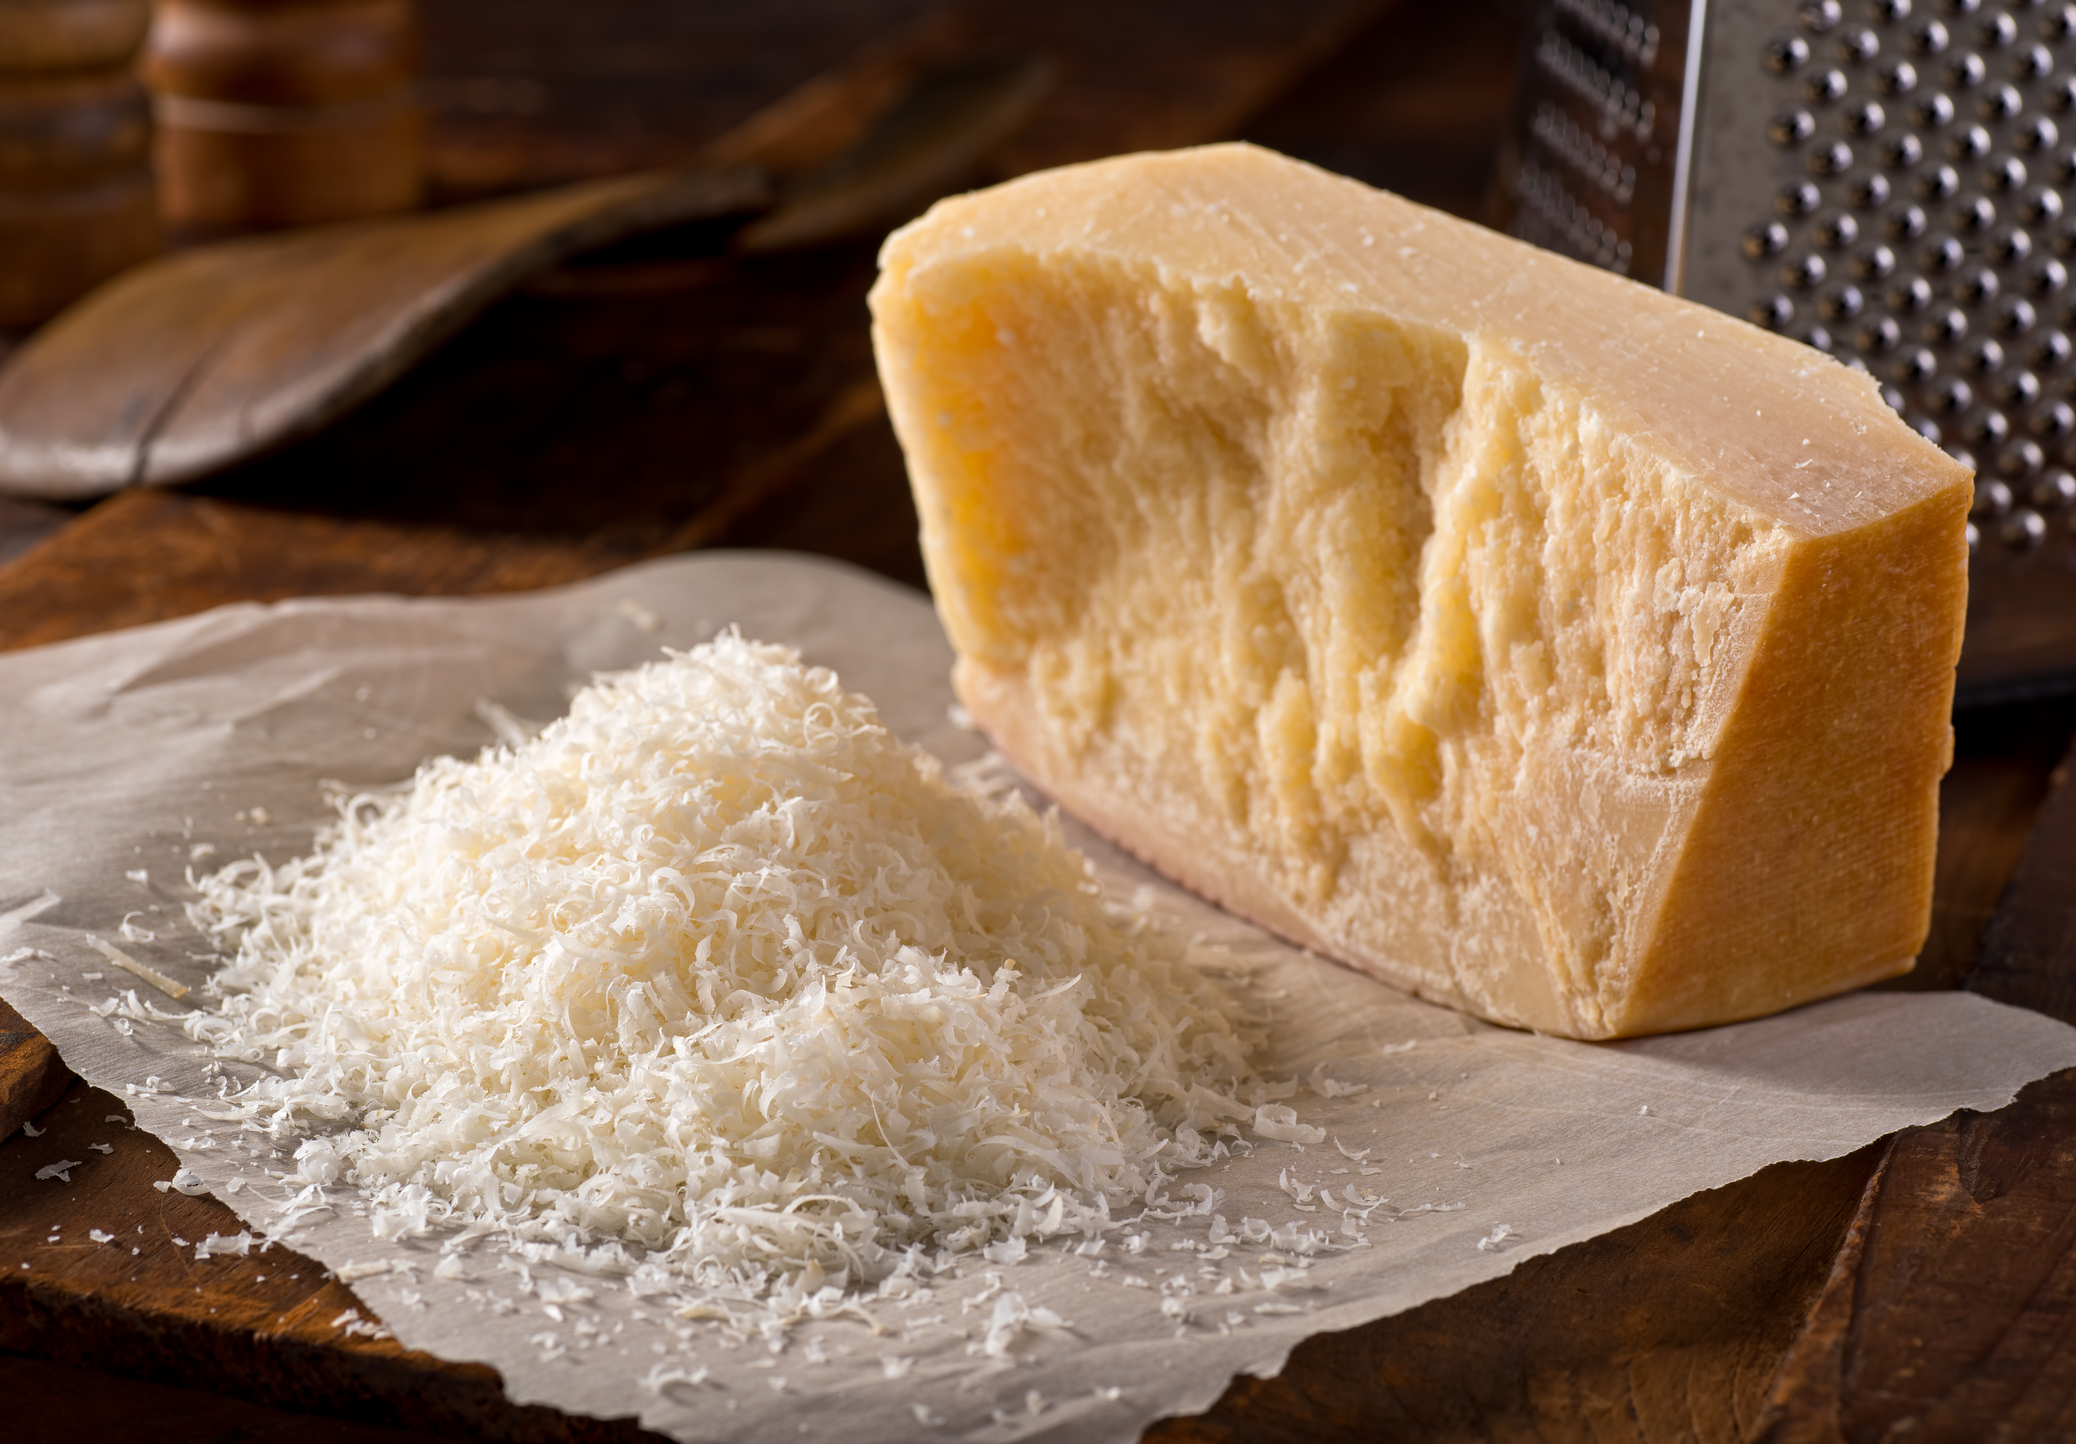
(289, 52)
(38, 35)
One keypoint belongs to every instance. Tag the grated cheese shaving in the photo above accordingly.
(715, 975)
(1280, 1121)
(182, 1181)
(129, 964)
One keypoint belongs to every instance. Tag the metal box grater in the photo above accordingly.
(1881, 179)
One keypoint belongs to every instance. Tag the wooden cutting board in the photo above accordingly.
(1812, 1302)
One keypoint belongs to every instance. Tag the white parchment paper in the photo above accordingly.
(1452, 1149)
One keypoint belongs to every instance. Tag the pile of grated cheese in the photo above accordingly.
(715, 975)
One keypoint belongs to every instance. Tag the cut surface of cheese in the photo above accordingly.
(1534, 640)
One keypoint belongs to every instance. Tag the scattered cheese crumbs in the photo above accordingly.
(138, 875)
(716, 975)
(638, 614)
(182, 1181)
(129, 964)
(61, 1170)
(662, 1376)
(1011, 1318)
(26, 912)
(239, 1243)
(1498, 1238)
(99, 1237)
(1327, 1087)
(31, 1130)
(1280, 1121)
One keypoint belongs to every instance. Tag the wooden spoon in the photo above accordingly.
(208, 357)
(183, 366)
(918, 149)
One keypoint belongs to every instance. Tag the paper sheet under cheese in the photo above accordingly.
(129, 752)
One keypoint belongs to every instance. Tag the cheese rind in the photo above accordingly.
(1542, 643)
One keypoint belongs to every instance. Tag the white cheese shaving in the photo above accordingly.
(1280, 1121)
(1498, 1238)
(715, 974)
(129, 964)
(182, 1181)
(1327, 1087)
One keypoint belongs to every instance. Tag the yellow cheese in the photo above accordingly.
(1538, 642)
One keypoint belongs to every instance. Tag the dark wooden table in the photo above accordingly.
(666, 395)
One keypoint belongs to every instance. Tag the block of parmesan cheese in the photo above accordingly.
(1531, 639)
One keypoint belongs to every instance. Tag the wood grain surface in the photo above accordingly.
(1670, 1329)
(668, 394)
(98, 1270)
(32, 1076)
(1951, 1311)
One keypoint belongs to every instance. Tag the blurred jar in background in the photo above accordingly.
(76, 199)
(284, 112)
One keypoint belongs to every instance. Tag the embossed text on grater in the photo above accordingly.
(1588, 171)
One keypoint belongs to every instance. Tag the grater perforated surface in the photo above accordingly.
(1884, 180)
(1918, 228)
